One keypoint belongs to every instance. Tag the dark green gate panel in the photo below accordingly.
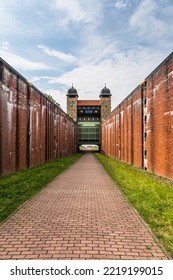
(89, 133)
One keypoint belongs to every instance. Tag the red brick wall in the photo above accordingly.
(32, 129)
(122, 130)
(140, 130)
(159, 119)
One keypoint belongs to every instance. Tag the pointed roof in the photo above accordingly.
(105, 92)
(72, 92)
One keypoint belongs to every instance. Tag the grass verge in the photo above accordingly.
(15, 189)
(150, 195)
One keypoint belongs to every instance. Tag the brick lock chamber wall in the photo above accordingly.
(33, 130)
(140, 130)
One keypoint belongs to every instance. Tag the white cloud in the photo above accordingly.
(121, 74)
(39, 78)
(102, 53)
(68, 58)
(146, 22)
(19, 62)
(78, 11)
(119, 4)
(7, 20)
(72, 9)
(5, 45)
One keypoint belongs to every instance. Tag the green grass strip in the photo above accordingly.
(150, 195)
(15, 189)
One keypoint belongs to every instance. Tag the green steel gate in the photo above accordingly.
(89, 133)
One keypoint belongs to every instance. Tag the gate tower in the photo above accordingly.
(89, 114)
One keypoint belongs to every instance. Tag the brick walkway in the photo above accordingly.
(80, 215)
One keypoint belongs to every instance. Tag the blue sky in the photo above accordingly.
(86, 42)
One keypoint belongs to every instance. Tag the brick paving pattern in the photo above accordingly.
(79, 215)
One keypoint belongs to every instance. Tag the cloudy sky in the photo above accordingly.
(85, 42)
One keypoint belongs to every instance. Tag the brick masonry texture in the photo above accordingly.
(105, 103)
(79, 215)
(32, 129)
(140, 130)
(72, 107)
